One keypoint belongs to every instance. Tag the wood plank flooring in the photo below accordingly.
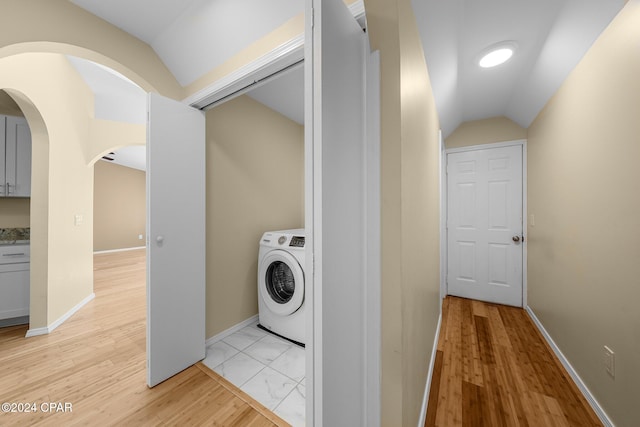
(493, 368)
(96, 362)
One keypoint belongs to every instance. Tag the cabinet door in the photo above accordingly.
(14, 291)
(3, 181)
(18, 158)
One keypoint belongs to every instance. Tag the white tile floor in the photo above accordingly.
(267, 368)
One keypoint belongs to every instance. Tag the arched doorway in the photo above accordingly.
(66, 141)
(119, 170)
(16, 104)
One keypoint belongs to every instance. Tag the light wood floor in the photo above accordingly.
(96, 362)
(493, 368)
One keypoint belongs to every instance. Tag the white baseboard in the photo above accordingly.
(61, 320)
(119, 250)
(235, 328)
(572, 372)
(427, 387)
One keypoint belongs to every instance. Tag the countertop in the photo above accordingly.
(14, 236)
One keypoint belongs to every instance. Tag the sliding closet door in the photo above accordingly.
(175, 238)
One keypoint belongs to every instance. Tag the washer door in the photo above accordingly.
(281, 282)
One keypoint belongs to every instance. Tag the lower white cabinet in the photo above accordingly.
(14, 281)
(14, 288)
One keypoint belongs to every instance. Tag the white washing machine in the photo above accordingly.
(281, 298)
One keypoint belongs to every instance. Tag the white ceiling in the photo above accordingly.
(116, 97)
(192, 37)
(131, 156)
(131, 15)
(551, 37)
(284, 94)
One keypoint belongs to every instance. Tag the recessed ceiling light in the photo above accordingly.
(497, 54)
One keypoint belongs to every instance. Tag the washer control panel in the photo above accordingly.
(297, 242)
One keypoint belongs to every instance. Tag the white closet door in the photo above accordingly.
(175, 238)
(485, 225)
(335, 83)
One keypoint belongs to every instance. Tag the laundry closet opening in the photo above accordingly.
(255, 185)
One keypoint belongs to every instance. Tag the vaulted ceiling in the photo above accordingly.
(551, 36)
(194, 36)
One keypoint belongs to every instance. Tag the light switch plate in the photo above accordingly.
(609, 361)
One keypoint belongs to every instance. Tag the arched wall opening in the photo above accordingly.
(66, 142)
(119, 220)
(38, 204)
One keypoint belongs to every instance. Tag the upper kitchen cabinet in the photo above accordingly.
(15, 157)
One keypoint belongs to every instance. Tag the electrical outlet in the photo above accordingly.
(609, 361)
(139, 236)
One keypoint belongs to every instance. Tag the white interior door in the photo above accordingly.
(175, 238)
(484, 224)
(336, 48)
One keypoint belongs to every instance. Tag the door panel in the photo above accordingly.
(335, 87)
(175, 238)
(484, 215)
(3, 182)
(18, 157)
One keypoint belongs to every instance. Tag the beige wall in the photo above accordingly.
(420, 215)
(583, 153)
(119, 207)
(410, 210)
(486, 131)
(255, 183)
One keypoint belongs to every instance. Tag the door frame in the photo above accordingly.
(259, 72)
(444, 290)
(443, 218)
